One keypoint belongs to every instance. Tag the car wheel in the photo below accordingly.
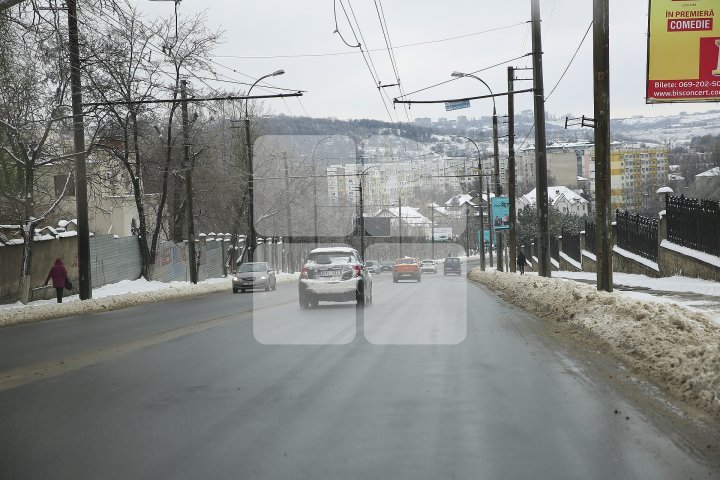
(314, 301)
(370, 299)
(304, 302)
(274, 287)
(242, 290)
(395, 279)
(419, 278)
(235, 290)
(267, 286)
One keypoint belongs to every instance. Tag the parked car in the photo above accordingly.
(387, 266)
(372, 266)
(407, 267)
(452, 265)
(428, 266)
(254, 275)
(334, 274)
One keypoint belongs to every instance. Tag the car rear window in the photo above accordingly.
(328, 258)
(406, 261)
(452, 260)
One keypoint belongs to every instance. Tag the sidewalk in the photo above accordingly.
(694, 293)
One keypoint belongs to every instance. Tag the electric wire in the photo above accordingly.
(571, 61)
(407, 45)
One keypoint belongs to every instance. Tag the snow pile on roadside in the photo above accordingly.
(119, 295)
(676, 348)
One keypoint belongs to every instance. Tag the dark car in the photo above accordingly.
(254, 275)
(334, 274)
(452, 265)
(387, 266)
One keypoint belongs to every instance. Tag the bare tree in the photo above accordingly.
(34, 80)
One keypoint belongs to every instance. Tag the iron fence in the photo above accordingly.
(590, 237)
(694, 223)
(637, 234)
(571, 244)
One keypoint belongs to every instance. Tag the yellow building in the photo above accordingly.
(637, 171)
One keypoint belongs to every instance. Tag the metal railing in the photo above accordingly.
(694, 223)
(571, 244)
(590, 236)
(637, 234)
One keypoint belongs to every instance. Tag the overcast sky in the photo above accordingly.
(299, 36)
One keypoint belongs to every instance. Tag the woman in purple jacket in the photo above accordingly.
(58, 275)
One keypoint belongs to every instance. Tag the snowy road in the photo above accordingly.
(435, 380)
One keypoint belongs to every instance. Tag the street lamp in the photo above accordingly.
(496, 159)
(251, 213)
(482, 223)
(315, 206)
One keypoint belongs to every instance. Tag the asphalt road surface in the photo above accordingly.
(435, 380)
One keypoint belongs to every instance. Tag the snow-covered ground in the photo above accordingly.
(694, 293)
(675, 347)
(118, 295)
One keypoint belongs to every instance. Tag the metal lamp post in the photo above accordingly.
(315, 206)
(251, 210)
(496, 160)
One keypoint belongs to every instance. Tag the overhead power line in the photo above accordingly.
(570, 63)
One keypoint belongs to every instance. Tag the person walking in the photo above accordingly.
(521, 262)
(58, 273)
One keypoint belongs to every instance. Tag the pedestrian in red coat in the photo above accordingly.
(58, 275)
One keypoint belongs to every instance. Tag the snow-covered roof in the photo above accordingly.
(675, 177)
(460, 200)
(410, 215)
(554, 195)
(713, 172)
(332, 250)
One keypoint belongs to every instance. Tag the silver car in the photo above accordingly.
(334, 274)
(254, 275)
(428, 266)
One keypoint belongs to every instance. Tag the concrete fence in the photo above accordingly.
(672, 259)
(111, 260)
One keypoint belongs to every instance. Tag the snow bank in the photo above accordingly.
(676, 348)
(126, 293)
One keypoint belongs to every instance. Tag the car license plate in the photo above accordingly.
(247, 283)
(327, 273)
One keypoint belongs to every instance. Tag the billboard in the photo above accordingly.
(500, 213)
(683, 62)
(442, 234)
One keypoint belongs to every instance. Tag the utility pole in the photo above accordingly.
(400, 224)
(601, 66)
(490, 221)
(79, 141)
(511, 168)
(288, 218)
(482, 223)
(467, 229)
(432, 229)
(192, 257)
(498, 189)
(250, 239)
(362, 223)
(541, 191)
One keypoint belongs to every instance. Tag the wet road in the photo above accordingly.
(435, 380)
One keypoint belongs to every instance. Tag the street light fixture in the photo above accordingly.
(251, 213)
(496, 161)
(315, 206)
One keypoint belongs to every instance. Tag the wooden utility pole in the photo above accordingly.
(83, 236)
(601, 84)
(511, 167)
(288, 218)
(188, 185)
(541, 191)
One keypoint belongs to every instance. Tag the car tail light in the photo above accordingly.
(304, 273)
(358, 270)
